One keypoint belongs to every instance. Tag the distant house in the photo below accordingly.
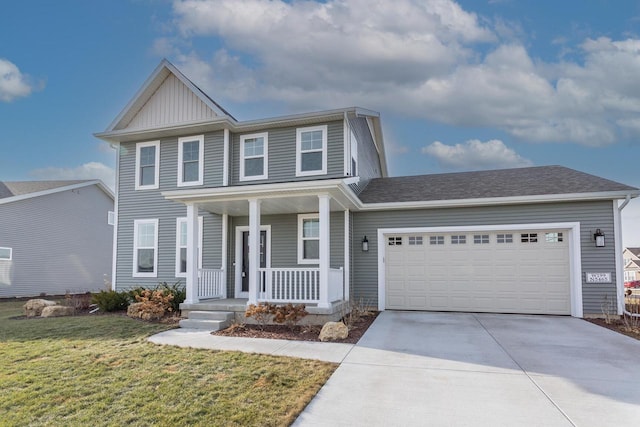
(631, 257)
(301, 209)
(55, 236)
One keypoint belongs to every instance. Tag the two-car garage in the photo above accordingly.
(514, 270)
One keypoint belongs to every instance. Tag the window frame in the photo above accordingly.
(353, 147)
(302, 239)
(265, 157)
(300, 152)
(136, 224)
(179, 222)
(156, 175)
(10, 254)
(181, 141)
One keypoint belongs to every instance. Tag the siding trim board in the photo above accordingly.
(575, 267)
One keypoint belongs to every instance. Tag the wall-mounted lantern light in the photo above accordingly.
(598, 236)
(365, 244)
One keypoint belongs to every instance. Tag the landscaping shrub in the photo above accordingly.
(79, 302)
(111, 300)
(260, 312)
(178, 291)
(151, 305)
(289, 314)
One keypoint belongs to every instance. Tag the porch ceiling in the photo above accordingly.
(268, 206)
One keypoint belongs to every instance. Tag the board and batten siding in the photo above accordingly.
(282, 155)
(284, 242)
(61, 242)
(590, 215)
(368, 160)
(172, 103)
(150, 204)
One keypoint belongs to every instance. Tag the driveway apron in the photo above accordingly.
(462, 369)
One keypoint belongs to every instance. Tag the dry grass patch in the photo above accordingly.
(100, 370)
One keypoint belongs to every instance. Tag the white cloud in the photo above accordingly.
(416, 58)
(13, 84)
(475, 155)
(91, 170)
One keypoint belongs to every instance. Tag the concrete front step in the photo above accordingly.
(207, 320)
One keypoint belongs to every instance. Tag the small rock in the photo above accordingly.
(33, 307)
(56, 311)
(332, 331)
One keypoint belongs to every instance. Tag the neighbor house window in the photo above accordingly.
(253, 157)
(504, 238)
(480, 239)
(147, 165)
(308, 239)
(181, 246)
(5, 254)
(190, 160)
(111, 218)
(458, 240)
(145, 248)
(311, 151)
(529, 237)
(436, 240)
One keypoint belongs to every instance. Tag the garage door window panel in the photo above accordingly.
(395, 241)
(504, 238)
(458, 240)
(553, 237)
(529, 237)
(436, 240)
(481, 239)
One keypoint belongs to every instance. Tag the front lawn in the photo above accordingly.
(100, 370)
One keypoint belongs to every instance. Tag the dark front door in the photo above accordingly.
(245, 256)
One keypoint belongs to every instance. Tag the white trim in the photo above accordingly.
(183, 220)
(136, 223)
(324, 264)
(114, 251)
(238, 257)
(353, 150)
(111, 218)
(10, 254)
(301, 218)
(224, 251)
(225, 158)
(300, 152)
(181, 142)
(617, 230)
(264, 156)
(156, 179)
(97, 182)
(575, 273)
(346, 144)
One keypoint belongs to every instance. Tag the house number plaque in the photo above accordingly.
(598, 277)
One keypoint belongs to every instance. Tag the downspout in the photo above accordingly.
(624, 308)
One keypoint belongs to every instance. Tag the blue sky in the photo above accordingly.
(466, 85)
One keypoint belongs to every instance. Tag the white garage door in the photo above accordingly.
(500, 271)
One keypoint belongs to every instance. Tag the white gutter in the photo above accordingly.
(618, 252)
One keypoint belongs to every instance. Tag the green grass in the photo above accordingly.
(100, 370)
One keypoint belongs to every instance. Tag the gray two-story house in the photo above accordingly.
(300, 209)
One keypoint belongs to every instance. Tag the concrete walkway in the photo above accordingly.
(460, 369)
(197, 338)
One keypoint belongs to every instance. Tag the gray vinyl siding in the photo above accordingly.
(284, 242)
(150, 204)
(590, 215)
(61, 242)
(282, 155)
(368, 160)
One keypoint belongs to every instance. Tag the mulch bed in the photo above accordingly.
(616, 325)
(298, 333)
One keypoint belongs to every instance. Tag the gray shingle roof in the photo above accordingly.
(532, 181)
(635, 251)
(18, 188)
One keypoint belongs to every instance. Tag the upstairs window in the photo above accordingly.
(145, 248)
(308, 239)
(253, 157)
(311, 151)
(147, 165)
(190, 160)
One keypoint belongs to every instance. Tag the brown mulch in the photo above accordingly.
(298, 333)
(616, 325)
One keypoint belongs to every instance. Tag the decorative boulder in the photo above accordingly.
(33, 307)
(56, 311)
(332, 331)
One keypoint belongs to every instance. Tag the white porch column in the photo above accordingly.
(254, 250)
(192, 254)
(225, 236)
(347, 255)
(323, 211)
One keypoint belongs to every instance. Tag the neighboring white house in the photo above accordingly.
(55, 236)
(631, 257)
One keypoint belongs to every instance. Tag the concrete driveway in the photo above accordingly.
(461, 369)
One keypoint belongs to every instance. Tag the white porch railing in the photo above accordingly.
(297, 285)
(211, 283)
